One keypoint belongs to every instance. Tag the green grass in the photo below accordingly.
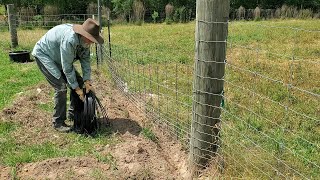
(2, 10)
(257, 132)
(260, 138)
(6, 128)
(15, 78)
(48, 107)
(76, 146)
(147, 133)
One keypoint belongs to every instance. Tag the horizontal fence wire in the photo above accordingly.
(270, 109)
(269, 126)
(272, 98)
(160, 89)
(46, 21)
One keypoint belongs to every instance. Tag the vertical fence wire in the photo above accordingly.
(273, 120)
(270, 117)
(262, 127)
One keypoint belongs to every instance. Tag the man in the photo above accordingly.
(55, 54)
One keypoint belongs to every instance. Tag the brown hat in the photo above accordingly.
(89, 29)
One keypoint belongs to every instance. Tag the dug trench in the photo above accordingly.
(130, 155)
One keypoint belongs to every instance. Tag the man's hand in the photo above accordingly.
(88, 86)
(80, 93)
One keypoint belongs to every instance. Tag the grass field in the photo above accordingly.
(261, 139)
(271, 65)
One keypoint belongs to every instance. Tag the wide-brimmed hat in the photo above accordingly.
(89, 29)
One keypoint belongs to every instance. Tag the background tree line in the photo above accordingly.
(154, 10)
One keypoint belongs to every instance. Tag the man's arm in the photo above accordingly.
(85, 64)
(67, 52)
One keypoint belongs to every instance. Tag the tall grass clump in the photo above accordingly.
(138, 11)
(305, 14)
(241, 13)
(51, 13)
(292, 12)
(257, 14)
(169, 9)
(92, 8)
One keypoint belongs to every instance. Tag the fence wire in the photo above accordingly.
(270, 113)
(44, 21)
(269, 126)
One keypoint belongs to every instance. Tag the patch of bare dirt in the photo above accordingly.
(5, 172)
(134, 157)
(63, 168)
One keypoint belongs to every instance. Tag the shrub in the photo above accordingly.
(241, 14)
(92, 8)
(26, 14)
(169, 11)
(105, 15)
(122, 9)
(189, 15)
(305, 13)
(268, 13)
(257, 13)
(38, 20)
(138, 11)
(277, 14)
(182, 14)
(155, 15)
(51, 15)
(316, 16)
(168, 21)
(284, 11)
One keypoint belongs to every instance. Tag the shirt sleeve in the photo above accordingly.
(85, 64)
(67, 51)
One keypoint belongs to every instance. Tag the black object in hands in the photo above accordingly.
(89, 114)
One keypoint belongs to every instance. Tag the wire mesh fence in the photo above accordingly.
(45, 21)
(41, 22)
(161, 89)
(274, 107)
(269, 126)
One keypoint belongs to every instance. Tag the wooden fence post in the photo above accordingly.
(100, 23)
(109, 36)
(12, 25)
(210, 55)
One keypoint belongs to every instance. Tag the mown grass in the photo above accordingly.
(15, 78)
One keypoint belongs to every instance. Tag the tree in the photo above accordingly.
(122, 8)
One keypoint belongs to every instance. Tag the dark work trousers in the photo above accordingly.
(60, 95)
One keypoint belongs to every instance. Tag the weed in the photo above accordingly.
(147, 133)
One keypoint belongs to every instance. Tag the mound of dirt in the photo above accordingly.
(63, 168)
(133, 157)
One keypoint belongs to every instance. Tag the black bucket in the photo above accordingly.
(20, 56)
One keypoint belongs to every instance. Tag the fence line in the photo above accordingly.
(270, 106)
(48, 20)
(255, 122)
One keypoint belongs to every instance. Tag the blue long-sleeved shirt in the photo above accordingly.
(57, 51)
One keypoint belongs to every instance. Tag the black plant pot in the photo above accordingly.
(20, 56)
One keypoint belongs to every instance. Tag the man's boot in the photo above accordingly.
(62, 127)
